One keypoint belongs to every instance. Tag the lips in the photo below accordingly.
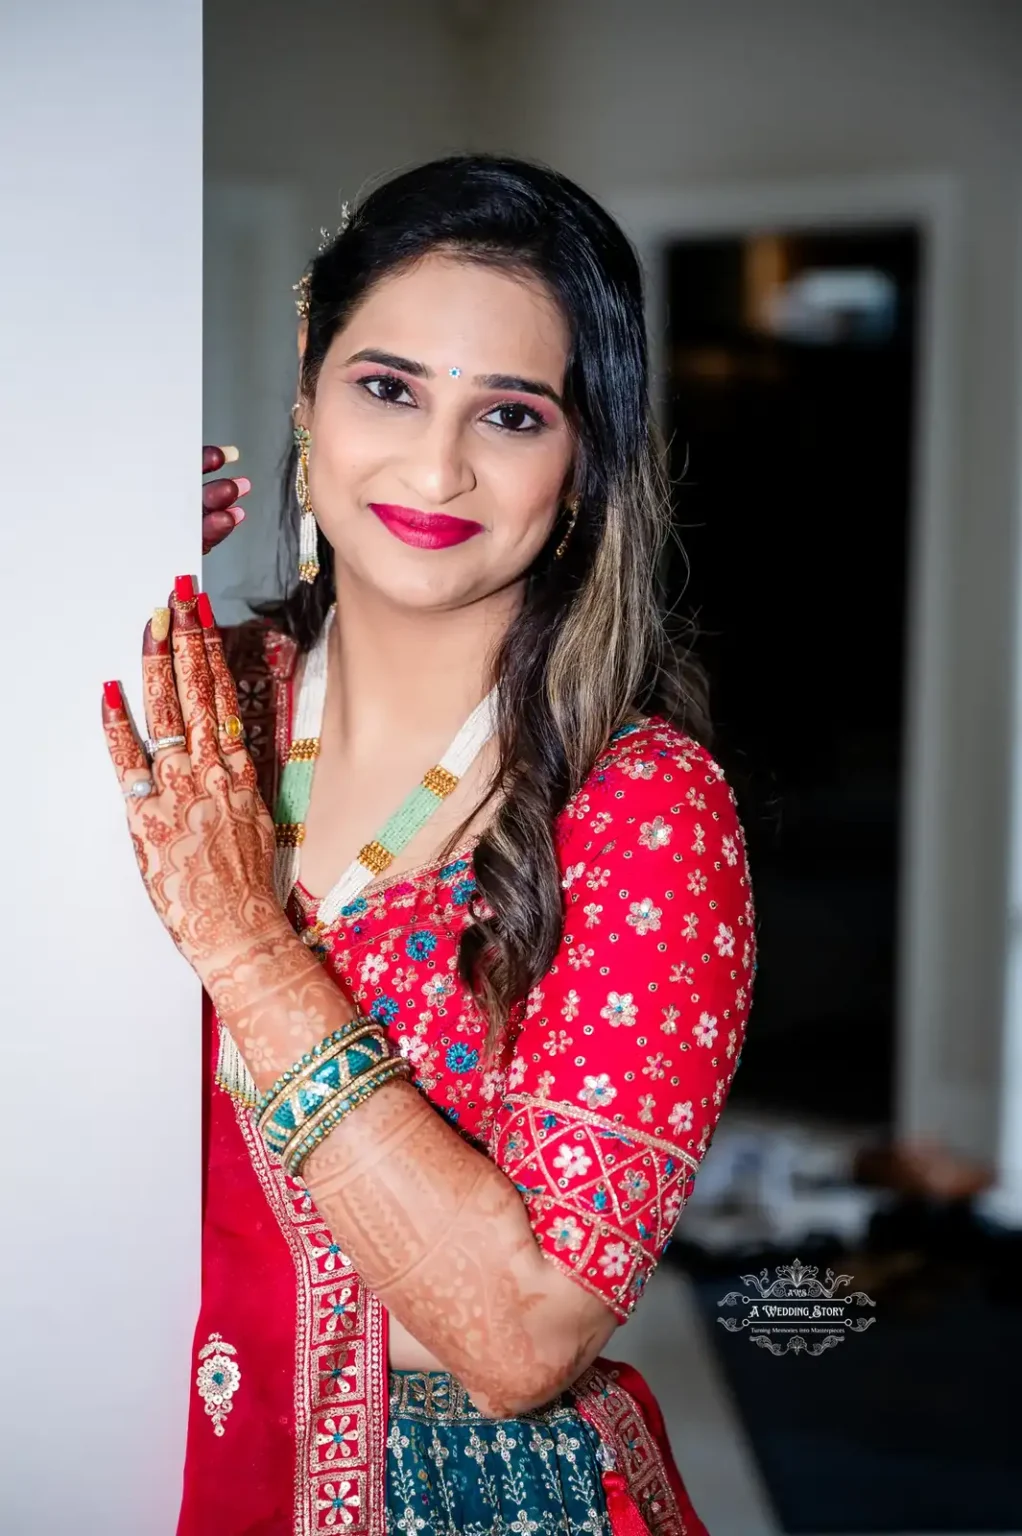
(425, 530)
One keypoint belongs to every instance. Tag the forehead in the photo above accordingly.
(443, 311)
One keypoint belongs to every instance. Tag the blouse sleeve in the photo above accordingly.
(631, 1040)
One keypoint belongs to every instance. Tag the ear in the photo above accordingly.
(298, 409)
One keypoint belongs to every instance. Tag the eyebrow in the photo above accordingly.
(483, 380)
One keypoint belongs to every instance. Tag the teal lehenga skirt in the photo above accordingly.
(453, 1472)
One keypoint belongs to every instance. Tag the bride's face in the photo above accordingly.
(441, 453)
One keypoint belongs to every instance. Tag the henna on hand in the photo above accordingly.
(204, 840)
(278, 1002)
(225, 700)
(162, 709)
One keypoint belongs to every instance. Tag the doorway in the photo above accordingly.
(792, 360)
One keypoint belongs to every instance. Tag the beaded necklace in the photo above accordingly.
(376, 856)
(398, 830)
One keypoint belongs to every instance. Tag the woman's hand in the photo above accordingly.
(219, 514)
(203, 838)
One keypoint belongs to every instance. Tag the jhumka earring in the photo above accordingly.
(308, 534)
(572, 506)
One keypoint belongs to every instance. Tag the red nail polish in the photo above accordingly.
(205, 611)
(112, 695)
(184, 590)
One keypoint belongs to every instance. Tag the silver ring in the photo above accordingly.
(152, 747)
(139, 790)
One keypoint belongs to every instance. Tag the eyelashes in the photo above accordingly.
(388, 389)
(386, 380)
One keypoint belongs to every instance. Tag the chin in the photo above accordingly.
(422, 598)
(419, 591)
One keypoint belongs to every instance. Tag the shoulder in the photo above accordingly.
(651, 783)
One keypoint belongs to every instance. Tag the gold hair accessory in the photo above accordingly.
(302, 289)
(573, 506)
(301, 292)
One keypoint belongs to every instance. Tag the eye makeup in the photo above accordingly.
(390, 386)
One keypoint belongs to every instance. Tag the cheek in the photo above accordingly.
(344, 452)
(527, 497)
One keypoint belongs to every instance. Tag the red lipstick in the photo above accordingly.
(426, 530)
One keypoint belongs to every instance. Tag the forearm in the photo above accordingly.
(277, 1002)
(431, 1224)
(444, 1239)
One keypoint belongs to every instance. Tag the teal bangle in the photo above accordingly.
(300, 1092)
(356, 1025)
(309, 1137)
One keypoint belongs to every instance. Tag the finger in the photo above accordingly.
(193, 678)
(217, 525)
(217, 494)
(225, 695)
(216, 458)
(219, 514)
(164, 721)
(126, 751)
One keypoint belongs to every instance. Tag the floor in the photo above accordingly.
(665, 1341)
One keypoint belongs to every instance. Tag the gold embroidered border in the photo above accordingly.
(618, 1420)
(370, 893)
(622, 1310)
(601, 1123)
(594, 1229)
(439, 1397)
(356, 1355)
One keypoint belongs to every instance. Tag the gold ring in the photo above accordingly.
(232, 728)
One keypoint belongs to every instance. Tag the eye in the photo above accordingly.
(386, 387)
(515, 417)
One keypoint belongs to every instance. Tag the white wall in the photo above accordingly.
(100, 184)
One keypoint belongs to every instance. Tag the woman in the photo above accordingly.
(480, 994)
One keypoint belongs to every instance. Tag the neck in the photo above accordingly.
(420, 673)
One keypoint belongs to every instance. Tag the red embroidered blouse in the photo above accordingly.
(601, 1108)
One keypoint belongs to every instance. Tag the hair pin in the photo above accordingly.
(302, 288)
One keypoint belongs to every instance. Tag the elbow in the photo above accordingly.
(510, 1391)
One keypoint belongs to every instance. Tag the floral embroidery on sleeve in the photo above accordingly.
(632, 1038)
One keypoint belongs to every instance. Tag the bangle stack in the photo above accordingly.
(312, 1097)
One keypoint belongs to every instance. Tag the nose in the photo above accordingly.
(439, 465)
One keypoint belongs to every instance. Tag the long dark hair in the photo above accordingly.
(589, 648)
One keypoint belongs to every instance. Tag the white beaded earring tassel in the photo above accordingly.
(308, 548)
(308, 530)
